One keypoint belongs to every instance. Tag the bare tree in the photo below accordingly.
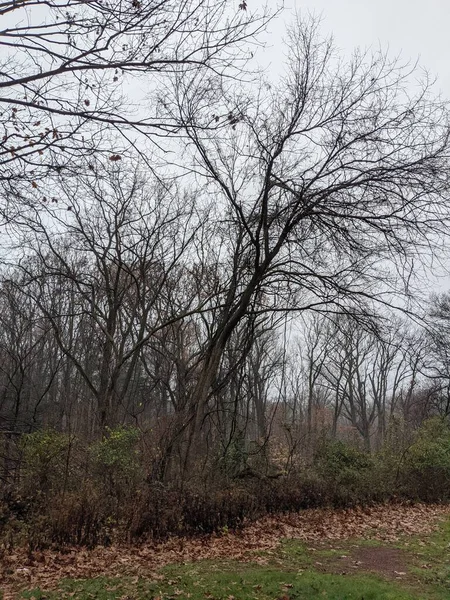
(437, 365)
(316, 354)
(67, 70)
(103, 270)
(331, 182)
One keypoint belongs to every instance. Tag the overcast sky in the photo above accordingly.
(414, 28)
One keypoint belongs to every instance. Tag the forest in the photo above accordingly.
(216, 296)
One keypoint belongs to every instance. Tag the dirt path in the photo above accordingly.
(386, 523)
(391, 562)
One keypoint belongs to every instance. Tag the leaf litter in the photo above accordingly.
(386, 523)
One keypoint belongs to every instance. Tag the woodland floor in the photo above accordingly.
(384, 552)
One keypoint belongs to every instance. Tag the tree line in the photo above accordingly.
(217, 262)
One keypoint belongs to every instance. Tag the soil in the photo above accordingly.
(390, 562)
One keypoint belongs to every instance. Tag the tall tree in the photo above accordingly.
(331, 180)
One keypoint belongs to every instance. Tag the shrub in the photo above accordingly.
(62, 498)
(116, 461)
(234, 460)
(345, 473)
(46, 462)
(425, 471)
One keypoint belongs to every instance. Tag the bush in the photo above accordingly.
(425, 471)
(115, 462)
(70, 494)
(76, 518)
(345, 472)
(234, 460)
(46, 462)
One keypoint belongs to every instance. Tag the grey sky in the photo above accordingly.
(414, 28)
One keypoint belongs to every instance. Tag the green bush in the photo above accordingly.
(432, 446)
(234, 459)
(46, 461)
(116, 461)
(345, 472)
(425, 469)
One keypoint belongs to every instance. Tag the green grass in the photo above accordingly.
(295, 571)
(430, 559)
(214, 582)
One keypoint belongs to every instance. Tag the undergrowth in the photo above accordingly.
(69, 493)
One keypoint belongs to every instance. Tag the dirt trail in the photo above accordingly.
(391, 562)
(384, 522)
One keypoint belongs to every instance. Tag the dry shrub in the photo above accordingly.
(74, 494)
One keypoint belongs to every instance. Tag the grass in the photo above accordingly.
(295, 571)
(430, 559)
(214, 582)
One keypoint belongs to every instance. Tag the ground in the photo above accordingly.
(389, 552)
